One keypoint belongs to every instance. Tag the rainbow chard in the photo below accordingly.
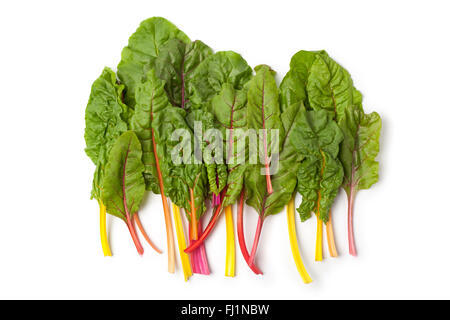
(263, 115)
(124, 184)
(321, 83)
(106, 118)
(317, 137)
(358, 152)
(151, 100)
(218, 86)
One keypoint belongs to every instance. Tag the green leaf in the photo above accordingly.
(230, 113)
(215, 167)
(284, 180)
(124, 184)
(263, 109)
(150, 100)
(216, 70)
(317, 137)
(105, 118)
(359, 148)
(143, 48)
(293, 86)
(320, 82)
(176, 64)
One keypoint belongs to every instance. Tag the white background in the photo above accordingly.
(398, 53)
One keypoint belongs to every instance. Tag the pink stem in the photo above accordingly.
(351, 237)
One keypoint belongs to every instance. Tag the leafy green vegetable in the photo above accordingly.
(176, 64)
(143, 48)
(230, 112)
(218, 69)
(317, 137)
(150, 99)
(263, 113)
(106, 118)
(124, 184)
(357, 154)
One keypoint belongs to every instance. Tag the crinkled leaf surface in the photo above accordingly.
(215, 166)
(124, 184)
(105, 118)
(318, 81)
(176, 64)
(150, 99)
(216, 70)
(284, 180)
(230, 113)
(143, 48)
(263, 108)
(359, 148)
(317, 137)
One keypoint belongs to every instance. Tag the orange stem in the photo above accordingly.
(330, 238)
(193, 217)
(146, 237)
(167, 217)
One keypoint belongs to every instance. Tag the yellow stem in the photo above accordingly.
(181, 243)
(294, 243)
(330, 238)
(230, 262)
(319, 256)
(103, 235)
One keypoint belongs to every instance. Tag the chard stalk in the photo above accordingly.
(294, 243)
(351, 237)
(103, 234)
(193, 216)
(167, 217)
(187, 271)
(144, 233)
(230, 261)
(319, 256)
(241, 237)
(133, 233)
(330, 238)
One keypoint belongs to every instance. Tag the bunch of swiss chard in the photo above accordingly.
(241, 139)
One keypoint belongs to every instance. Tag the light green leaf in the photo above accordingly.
(216, 70)
(176, 65)
(359, 148)
(317, 137)
(143, 47)
(124, 184)
(150, 99)
(105, 118)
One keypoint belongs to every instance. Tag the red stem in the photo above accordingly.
(241, 237)
(256, 240)
(134, 236)
(208, 229)
(351, 237)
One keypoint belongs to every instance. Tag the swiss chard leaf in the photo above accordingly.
(143, 48)
(150, 99)
(230, 112)
(317, 137)
(359, 148)
(285, 179)
(216, 70)
(318, 81)
(124, 184)
(106, 119)
(263, 109)
(176, 64)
